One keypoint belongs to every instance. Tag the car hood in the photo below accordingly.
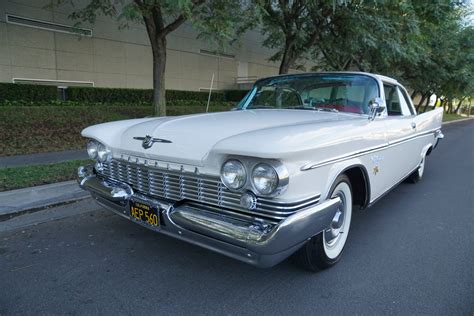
(192, 137)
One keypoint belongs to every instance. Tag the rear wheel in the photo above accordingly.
(418, 173)
(325, 249)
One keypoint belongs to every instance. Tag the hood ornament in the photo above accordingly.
(148, 141)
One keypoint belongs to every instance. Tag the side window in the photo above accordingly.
(396, 101)
(407, 101)
(403, 103)
(392, 100)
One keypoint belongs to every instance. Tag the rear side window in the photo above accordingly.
(407, 100)
(396, 103)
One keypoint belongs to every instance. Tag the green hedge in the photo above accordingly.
(36, 93)
(234, 95)
(108, 95)
(112, 95)
(27, 92)
(172, 103)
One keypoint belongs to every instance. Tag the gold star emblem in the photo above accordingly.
(376, 169)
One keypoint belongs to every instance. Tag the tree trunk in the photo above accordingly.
(450, 106)
(414, 93)
(423, 97)
(427, 103)
(443, 105)
(289, 56)
(459, 105)
(286, 62)
(159, 65)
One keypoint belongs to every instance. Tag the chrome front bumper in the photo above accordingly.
(252, 240)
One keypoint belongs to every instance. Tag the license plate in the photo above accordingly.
(144, 214)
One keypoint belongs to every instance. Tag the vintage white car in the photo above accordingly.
(279, 175)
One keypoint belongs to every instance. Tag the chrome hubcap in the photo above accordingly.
(334, 231)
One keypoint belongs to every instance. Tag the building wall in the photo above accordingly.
(118, 58)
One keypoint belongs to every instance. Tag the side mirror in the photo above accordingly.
(376, 106)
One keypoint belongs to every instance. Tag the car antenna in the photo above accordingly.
(210, 91)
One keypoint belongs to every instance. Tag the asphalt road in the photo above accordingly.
(411, 253)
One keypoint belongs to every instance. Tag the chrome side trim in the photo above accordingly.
(355, 154)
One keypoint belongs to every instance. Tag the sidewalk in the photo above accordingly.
(42, 158)
(17, 202)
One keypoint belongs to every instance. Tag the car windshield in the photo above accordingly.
(320, 92)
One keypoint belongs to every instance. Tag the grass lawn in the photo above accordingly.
(22, 177)
(34, 129)
(452, 117)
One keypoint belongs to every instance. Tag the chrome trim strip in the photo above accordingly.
(355, 154)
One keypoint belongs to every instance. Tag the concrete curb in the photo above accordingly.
(42, 158)
(457, 121)
(27, 200)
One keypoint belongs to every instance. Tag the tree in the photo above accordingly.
(292, 27)
(423, 44)
(365, 35)
(217, 20)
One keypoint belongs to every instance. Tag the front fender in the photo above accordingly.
(339, 168)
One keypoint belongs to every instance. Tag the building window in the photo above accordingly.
(49, 26)
(216, 53)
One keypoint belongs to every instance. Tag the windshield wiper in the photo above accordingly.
(327, 110)
(299, 107)
(253, 107)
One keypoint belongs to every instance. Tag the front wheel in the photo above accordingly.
(325, 249)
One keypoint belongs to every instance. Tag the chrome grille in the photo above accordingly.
(177, 186)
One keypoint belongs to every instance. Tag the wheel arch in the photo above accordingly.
(429, 150)
(426, 150)
(360, 183)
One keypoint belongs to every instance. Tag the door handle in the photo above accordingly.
(413, 125)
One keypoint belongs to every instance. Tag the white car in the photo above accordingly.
(279, 175)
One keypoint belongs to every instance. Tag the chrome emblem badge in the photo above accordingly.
(148, 141)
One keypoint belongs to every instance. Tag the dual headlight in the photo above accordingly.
(98, 151)
(265, 178)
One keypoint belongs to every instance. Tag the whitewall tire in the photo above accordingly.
(325, 249)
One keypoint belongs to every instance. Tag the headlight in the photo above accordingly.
(92, 148)
(233, 174)
(265, 178)
(102, 153)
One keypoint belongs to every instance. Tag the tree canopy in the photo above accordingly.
(428, 45)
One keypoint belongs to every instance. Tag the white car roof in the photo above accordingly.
(376, 76)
